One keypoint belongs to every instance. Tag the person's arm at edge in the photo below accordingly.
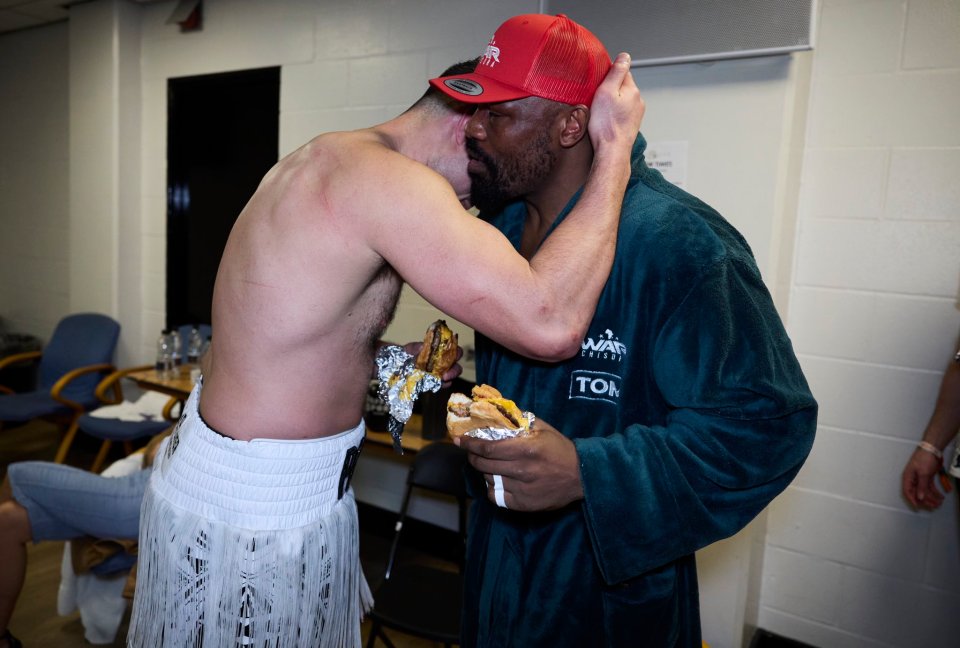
(922, 468)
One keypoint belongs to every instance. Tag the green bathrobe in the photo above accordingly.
(689, 413)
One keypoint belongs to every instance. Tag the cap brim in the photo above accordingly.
(476, 89)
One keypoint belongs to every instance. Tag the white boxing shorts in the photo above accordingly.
(249, 543)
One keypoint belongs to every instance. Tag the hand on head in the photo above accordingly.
(528, 44)
(617, 108)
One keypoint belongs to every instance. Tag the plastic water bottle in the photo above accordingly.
(164, 353)
(204, 346)
(194, 346)
(176, 347)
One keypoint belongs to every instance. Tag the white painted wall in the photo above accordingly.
(873, 314)
(839, 165)
(94, 118)
(34, 180)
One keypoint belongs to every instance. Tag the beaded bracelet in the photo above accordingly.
(932, 449)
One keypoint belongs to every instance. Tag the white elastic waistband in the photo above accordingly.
(260, 484)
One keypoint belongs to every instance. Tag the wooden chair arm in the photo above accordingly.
(168, 408)
(112, 382)
(14, 359)
(20, 357)
(71, 375)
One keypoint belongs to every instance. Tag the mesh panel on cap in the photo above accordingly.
(569, 67)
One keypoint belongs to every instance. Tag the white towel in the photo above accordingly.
(149, 407)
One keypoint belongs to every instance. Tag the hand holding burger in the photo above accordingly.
(485, 409)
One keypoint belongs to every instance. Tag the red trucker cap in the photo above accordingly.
(534, 55)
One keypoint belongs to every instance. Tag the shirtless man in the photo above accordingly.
(249, 530)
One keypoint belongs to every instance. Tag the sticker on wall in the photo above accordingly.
(670, 159)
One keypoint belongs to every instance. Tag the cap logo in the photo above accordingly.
(491, 55)
(464, 86)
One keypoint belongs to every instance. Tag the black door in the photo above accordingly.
(222, 137)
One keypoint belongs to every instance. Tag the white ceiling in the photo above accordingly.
(23, 14)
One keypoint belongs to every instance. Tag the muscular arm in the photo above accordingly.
(469, 270)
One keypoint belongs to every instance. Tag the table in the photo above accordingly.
(179, 385)
(412, 439)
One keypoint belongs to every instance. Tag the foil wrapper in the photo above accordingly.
(496, 434)
(400, 385)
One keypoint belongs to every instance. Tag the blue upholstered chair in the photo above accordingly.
(137, 422)
(77, 356)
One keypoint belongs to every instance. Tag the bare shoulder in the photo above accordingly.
(325, 155)
(334, 150)
(358, 166)
(367, 178)
(373, 156)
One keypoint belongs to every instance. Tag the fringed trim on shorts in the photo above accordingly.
(249, 543)
(236, 587)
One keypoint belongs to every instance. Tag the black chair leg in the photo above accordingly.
(386, 639)
(376, 630)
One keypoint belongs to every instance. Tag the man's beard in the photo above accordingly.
(511, 178)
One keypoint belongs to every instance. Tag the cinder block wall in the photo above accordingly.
(873, 313)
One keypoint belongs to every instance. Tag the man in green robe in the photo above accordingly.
(684, 413)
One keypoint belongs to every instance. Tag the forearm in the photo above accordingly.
(539, 308)
(919, 477)
(574, 262)
(945, 421)
(577, 257)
